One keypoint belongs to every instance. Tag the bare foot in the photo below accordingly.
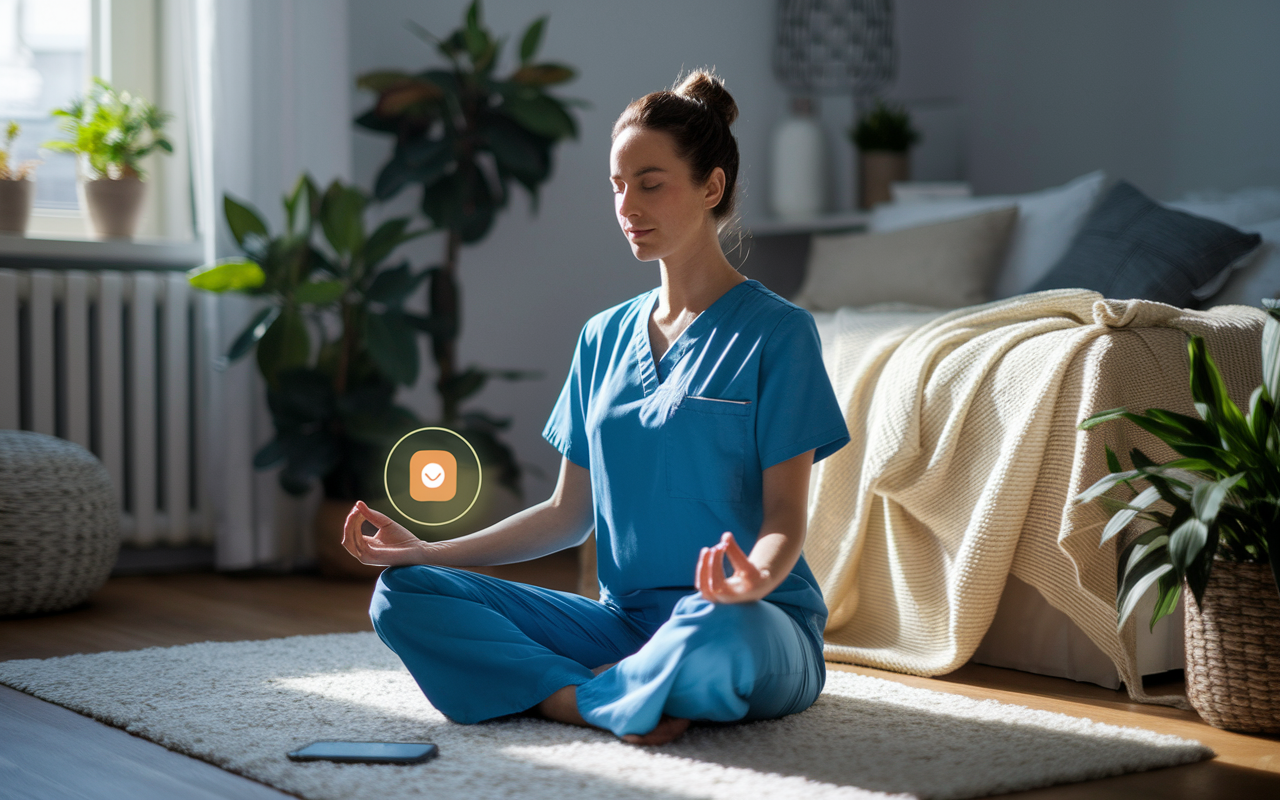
(603, 668)
(667, 730)
(562, 706)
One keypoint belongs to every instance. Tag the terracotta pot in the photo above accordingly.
(878, 170)
(114, 206)
(333, 559)
(15, 205)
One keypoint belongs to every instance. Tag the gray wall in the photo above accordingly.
(1173, 95)
(1012, 95)
(529, 287)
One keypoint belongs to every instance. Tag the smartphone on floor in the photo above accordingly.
(367, 752)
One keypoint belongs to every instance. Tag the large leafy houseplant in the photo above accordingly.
(1221, 497)
(333, 340)
(464, 134)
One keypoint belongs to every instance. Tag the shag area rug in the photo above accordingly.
(243, 705)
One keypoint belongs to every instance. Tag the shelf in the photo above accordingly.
(827, 223)
(145, 254)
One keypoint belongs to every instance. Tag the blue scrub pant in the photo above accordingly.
(480, 648)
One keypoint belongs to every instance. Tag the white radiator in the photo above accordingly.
(106, 360)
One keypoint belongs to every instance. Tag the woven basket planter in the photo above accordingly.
(1233, 649)
(59, 523)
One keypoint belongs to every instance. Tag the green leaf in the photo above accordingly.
(1207, 498)
(464, 384)
(1148, 541)
(423, 161)
(320, 293)
(244, 220)
(477, 40)
(285, 345)
(1271, 355)
(302, 205)
(1198, 571)
(531, 39)
(341, 216)
(543, 74)
(1209, 391)
(1113, 461)
(1170, 590)
(269, 454)
(1105, 484)
(541, 114)
(392, 346)
(389, 235)
(381, 80)
(253, 332)
(1186, 543)
(1143, 575)
(525, 155)
(1124, 516)
(228, 275)
(393, 286)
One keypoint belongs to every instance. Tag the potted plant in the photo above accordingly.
(17, 189)
(463, 135)
(884, 137)
(332, 342)
(1215, 517)
(111, 132)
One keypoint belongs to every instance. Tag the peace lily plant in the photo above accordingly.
(1220, 500)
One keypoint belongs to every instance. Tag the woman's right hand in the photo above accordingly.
(391, 546)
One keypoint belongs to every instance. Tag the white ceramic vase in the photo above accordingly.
(799, 165)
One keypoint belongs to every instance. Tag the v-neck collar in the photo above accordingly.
(649, 369)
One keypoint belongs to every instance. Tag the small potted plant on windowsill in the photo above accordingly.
(111, 132)
(1215, 517)
(17, 189)
(884, 137)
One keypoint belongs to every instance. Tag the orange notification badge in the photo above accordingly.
(433, 476)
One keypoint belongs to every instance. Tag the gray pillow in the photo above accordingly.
(1132, 247)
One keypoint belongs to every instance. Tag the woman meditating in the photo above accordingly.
(688, 425)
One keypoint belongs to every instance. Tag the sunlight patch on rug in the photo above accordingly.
(243, 705)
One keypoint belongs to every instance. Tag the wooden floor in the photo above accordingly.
(47, 751)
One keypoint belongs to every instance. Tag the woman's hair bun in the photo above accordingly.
(706, 88)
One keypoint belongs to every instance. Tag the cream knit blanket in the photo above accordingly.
(965, 455)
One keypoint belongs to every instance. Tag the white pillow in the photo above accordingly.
(944, 265)
(1047, 222)
(1257, 279)
(1242, 209)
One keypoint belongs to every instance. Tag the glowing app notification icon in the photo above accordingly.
(433, 475)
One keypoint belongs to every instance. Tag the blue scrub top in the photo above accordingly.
(677, 449)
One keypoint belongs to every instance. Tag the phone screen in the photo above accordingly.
(368, 752)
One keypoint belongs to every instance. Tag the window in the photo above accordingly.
(44, 63)
(49, 52)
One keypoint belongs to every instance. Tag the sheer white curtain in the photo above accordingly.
(268, 90)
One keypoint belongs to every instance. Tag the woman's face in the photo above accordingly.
(661, 210)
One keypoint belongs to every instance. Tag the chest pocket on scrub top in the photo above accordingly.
(705, 440)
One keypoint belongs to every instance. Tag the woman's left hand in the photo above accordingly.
(747, 583)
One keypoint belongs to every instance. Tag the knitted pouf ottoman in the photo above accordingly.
(59, 523)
